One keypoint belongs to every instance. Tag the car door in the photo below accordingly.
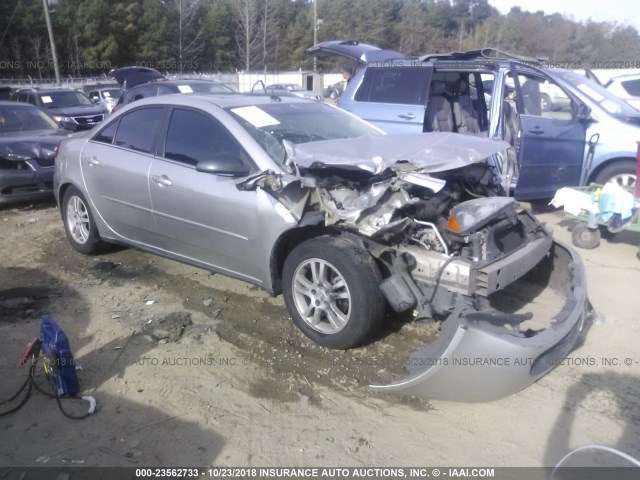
(552, 142)
(202, 216)
(115, 164)
(392, 98)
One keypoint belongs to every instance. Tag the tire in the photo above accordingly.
(584, 237)
(622, 173)
(331, 290)
(333, 95)
(78, 221)
(545, 102)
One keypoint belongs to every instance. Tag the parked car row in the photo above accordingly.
(36, 120)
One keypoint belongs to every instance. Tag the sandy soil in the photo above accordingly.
(194, 369)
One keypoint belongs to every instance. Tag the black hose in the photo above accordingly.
(30, 382)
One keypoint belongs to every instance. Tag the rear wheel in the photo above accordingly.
(331, 289)
(78, 222)
(621, 173)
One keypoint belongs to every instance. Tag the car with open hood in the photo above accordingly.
(28, 139)
(306, 200)
(563, 129)
(142, 82)
(70, 108)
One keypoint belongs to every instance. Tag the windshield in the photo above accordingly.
(598, 94)
(63, 99)
(22, 118)
(305, 122)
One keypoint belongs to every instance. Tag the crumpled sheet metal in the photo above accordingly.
(472, 362)
(426, 152)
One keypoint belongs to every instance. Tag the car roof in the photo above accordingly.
(176, 83)
(622, 78)
(50, 90)
(481, 54)
(222, 100)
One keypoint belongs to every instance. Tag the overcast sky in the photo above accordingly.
(621, 11)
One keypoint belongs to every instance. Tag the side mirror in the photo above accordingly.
(584, 113)
(223, 165)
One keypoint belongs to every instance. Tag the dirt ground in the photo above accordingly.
(194, 369)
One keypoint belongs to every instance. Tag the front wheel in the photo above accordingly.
(78, 221)
(621, 173)
(331, 289)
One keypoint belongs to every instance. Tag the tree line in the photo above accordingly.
(179, 36)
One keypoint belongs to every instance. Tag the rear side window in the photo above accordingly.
(193, 137)
(400, 85)
(137, 129)
(632, 87)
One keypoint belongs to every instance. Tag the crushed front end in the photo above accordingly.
(511, 302)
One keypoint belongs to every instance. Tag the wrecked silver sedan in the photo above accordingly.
(348, 224)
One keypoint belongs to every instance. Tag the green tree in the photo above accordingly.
(219, 51)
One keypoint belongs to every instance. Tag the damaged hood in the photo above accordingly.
(424, 152)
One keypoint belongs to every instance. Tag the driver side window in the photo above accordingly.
(544, 98)
(193, 137)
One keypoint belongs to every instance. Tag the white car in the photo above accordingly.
(626, 87)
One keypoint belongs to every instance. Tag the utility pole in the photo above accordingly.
(54, 53)
(316, 25)
(315, 33)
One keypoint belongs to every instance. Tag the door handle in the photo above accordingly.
(162, 180)
(93, 161)
(407, 116)
(537, 131)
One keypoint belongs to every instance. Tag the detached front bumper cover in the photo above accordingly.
(477, 360)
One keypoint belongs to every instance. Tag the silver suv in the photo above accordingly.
(564, 130)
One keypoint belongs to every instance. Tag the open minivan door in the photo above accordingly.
(552, 137)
